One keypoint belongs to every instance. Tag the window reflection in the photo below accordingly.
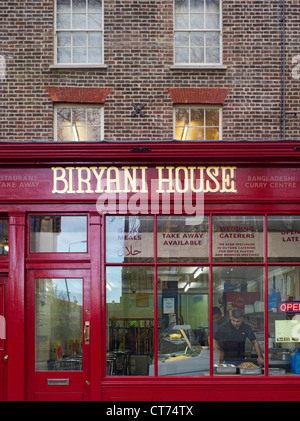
(58, 324)
(130, 319)
(183, 311)
(4, 237)
(58, 234)
(238, 292)
(284, 317)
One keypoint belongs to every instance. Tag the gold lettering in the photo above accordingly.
(185, 180)
(98, 177)
(228, 183)
(59, 178)
(193, 179)
(165, 180)
(212, 173)
(111, 179)
(85, 180)
(131, 178)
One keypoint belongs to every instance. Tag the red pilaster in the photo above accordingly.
(16, 306)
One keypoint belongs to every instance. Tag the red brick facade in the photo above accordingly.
(138, 60)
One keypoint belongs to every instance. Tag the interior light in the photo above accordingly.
(108, 287)
(187, 286)
(6, 248)
(184, 132)
(75, 132)
(198, 271)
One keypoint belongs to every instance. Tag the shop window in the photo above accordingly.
(197, 123)
(76, 123)
(4, 246)
(58, 322)
(58, 234)
(79, 32)
(197, 34)
(238, 314)
(161, 318)
(238, 239)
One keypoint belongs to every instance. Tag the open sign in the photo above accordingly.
(289, 307)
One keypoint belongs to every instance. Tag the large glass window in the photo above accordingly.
(58, 324)
(79, 32)
(197, 32)
(58, 234)
(218, 295)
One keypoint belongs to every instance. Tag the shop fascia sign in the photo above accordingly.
(143, 179)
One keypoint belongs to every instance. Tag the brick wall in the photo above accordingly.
(139, 56)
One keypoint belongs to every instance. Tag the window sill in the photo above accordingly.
(198, 67)
(79, 66)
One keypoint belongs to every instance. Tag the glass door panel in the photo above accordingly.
(58, 321)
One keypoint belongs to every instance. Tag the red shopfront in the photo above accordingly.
(112, 266)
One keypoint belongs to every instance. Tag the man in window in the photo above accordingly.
(229, 341)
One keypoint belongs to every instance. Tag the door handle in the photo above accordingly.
(87, 333)
(5, 357)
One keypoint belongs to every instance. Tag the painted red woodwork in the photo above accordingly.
(15, 308)
(78, 95)
(198, 95)
(32, 163)
(36, 381)
(3, 341)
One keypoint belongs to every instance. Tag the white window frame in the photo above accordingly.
(204, 63)
(76, 105)
(202, 106)
(56, 31)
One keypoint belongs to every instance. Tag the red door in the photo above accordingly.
(3, 350)
(58, 338)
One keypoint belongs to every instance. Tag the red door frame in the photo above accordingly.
(37, 387)
(3, 341)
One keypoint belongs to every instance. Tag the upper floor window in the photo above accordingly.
(78, 123)
(197, 32)
(79, 32)
(197, 123)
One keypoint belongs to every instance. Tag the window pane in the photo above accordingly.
(238, 238)
(183, 310)
(197, 55)
(58, 324)
(182, 239)
(238, 315)
(52, 234)
(212, 6)
(95, 39)
(79, 39)
(79, 21)
(283, 317)
(129, 239)
(197, 116)
(181, 6)
(64, 134)
(197, 21)
(197, 6)
(129, 320)
(212, 134)
(64, 39)
(79, 55)
(95, 21)
(212, 117)
(79, 6)
(182, 116)
(181, 39)
(63, 21)
(197, 39)
(181, 55)
(197, 133)
(64, 55)
(63, 6)
(182, 21)
(284, 238)
(4, 246)
(94, 5)
(212, 21)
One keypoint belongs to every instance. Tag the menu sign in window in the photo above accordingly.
(284, 238)
(238, 238)
(287, 330)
